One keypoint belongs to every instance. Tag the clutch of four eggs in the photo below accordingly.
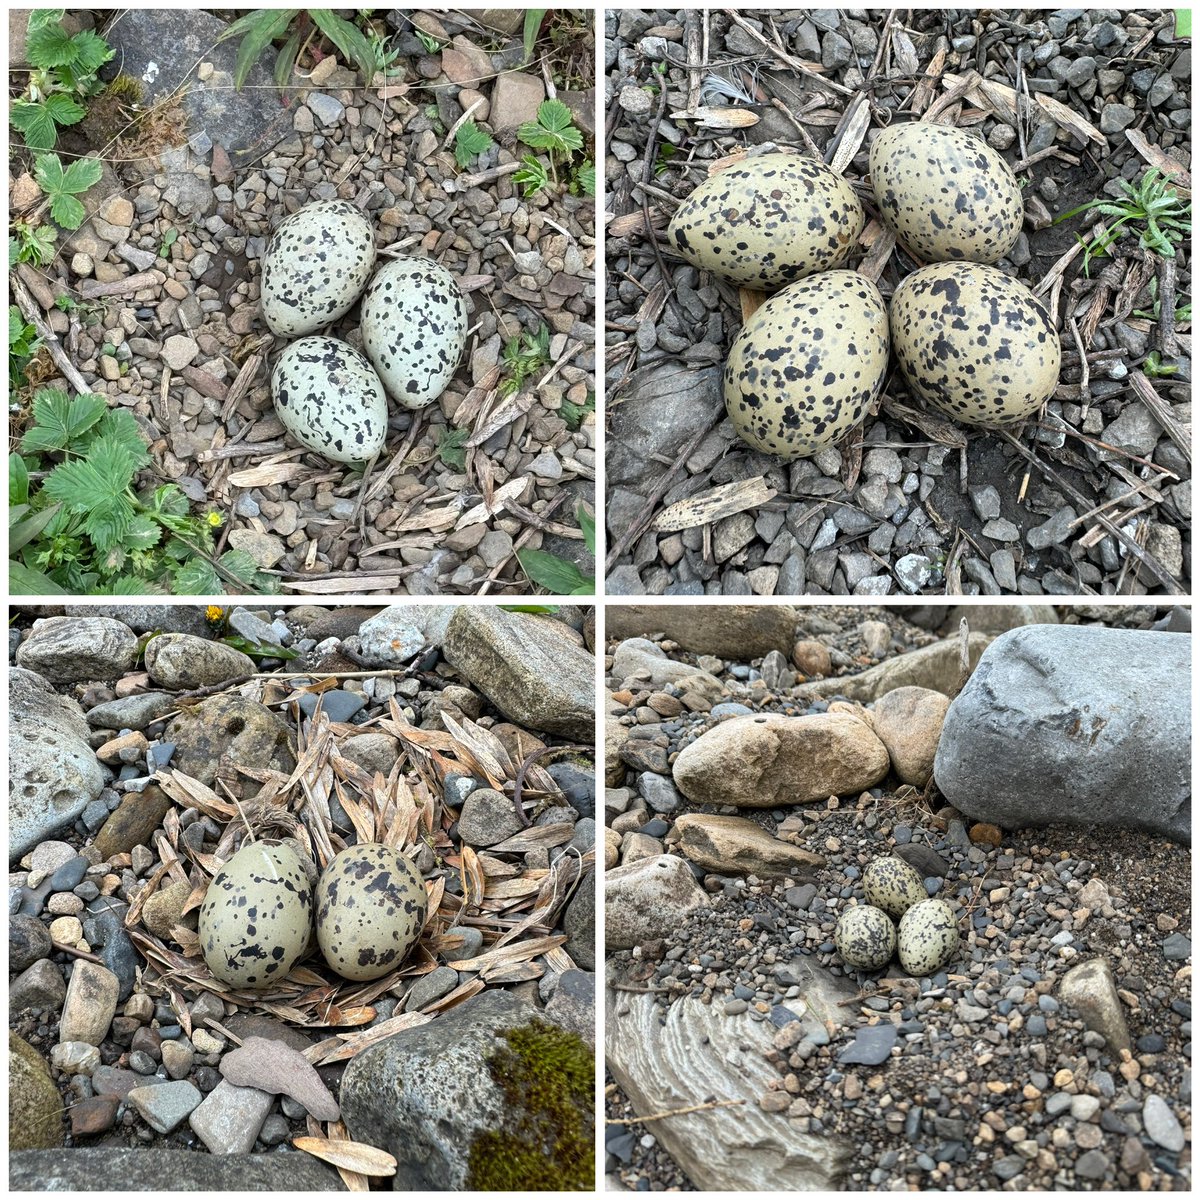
(329, 396)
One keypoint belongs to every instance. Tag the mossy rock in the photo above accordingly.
(35, 1109)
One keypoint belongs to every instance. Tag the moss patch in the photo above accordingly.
(547, 1076)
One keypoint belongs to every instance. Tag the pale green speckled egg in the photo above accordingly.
(928, 937)
(893, 885)
(865, 937)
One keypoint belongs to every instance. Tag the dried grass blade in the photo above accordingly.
(537, 837)
(474, 882)
(501, 956)
(720, 117)
(347, 1045)
(268, 474)
(464, 991)
(355, 1156)
(505, 413)
(856, 129)
(354, 1182)
(191, 793)
(512, 490)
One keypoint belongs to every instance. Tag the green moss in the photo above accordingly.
(126, 89)
(547, 1076)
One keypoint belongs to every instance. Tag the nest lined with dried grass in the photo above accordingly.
(514, 907)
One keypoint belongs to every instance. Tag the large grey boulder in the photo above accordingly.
(53, 774)
(115, 1169)
(1074, 725)
(666, 1063)
(78, 649)
(440, 1097)
(532, 668)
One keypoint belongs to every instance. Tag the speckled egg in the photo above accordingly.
(768, 221)
(893, 885)
(330, 399)
(945, 194)
(257, 916)
(804, 369)
(974, 343)
(865, 937)
(928, 937)
(370, 911)
(315, 267)
(414, 328)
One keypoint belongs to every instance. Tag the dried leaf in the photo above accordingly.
(269, 474)
(857, 124)
(352, 1179)
(720, 117)
(473, 880)
(713, 505)
(505, 956)
(347, 1045)
(537, 837)
(512, 490)
(905, 52)
(504, 413)
(355, 1156)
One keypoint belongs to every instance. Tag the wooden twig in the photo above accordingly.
(675, 1112)
(33, 314)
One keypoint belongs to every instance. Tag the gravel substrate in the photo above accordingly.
(903, 505)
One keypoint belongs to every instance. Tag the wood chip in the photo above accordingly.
(354, 1156)
(1157, 157)
(512, 490)
(719, 118)
(722, 501)
(269, 474)
(858, 120)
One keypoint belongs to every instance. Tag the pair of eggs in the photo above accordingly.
(809, 363)
(328, 395)
(866, 935)
(260, 913)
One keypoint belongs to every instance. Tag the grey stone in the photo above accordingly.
(165, 1106)
(399, 633)
(648, 899)
(39, 986)
(229, 1119)
(1053, 531)
(426, 1094)
(871, 1046)
(1073, 725)
(53, 772)
(1090, 989)
(148, 618)
(327, 109)
(1162, 1126)
(182, 660)
(529, 666)
(78, 649)
(113, 1169)
(130, 712)
(579, 924)
(426, 989)
(488, 817)
(162, 46)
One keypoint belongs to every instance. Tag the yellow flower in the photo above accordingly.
(214, 614)
(215, 519)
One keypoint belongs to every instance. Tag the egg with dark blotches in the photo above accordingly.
(893, 885)
(865, 937)
(414, 328)
(315, 266)
(805, 368)
(330, 399)
(256, 917)
(768, 220)
(945, 193)
(371, 908)
(974, 343)
(928, 937)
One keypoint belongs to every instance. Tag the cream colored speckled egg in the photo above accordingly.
(945, 193)
(928, 937)
(768, 220)
(974, 343)
(805, 367)
(370, 911)
(893, 885)
(865, 937)
(256, 916)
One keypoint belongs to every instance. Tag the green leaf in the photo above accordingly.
(82, 174)
(257, 649)
(142, 534)
(587, 523)
(24, 531)
(587, 178)
(556, 574)
(98, 488)
(554, 115)
(27, 581)
(285, 60)
(450, 448)
(18, 480)
(197, 577)
(531, 176)
(91, 53)
(130, 585)
(257, 30)
(349, 39)
(120, 425)
(59, 420)
(533, 25)
(469, 142)
(1183, 22)
(34, 123)
(241, 565)
(49, 45)
(63, 110)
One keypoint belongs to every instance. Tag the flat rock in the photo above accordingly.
(908, 721)
(275, 1067)
(530, 667)
(871, 1046)
(735, 844)
(1074, 725)
(639, 658)
(180, 660)
(1162, 1126)
(772, 761)
(78, 649)
(980, 618)
(1090, 989)
(130, 712)
(229, 1119)
(165, 1106)
(53, 772)
(663, 1061)
(647, 899)
(133, 822)
(90, 1004)
(113, 1169)
(214, 735)
(402, 631)
(579, 924)
(734, 631)
(148, 618)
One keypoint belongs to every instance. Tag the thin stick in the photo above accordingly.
(33, 314)
(675, 1112)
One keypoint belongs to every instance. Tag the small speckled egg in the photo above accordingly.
(945, 194)
(330, 399)
(370, 911)
(768, 221)
(865, 937)
(414, 328)
(257, 916)
(891, 884)
(928, 937)
(806, 366)
(316, 266)
(974, 343)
